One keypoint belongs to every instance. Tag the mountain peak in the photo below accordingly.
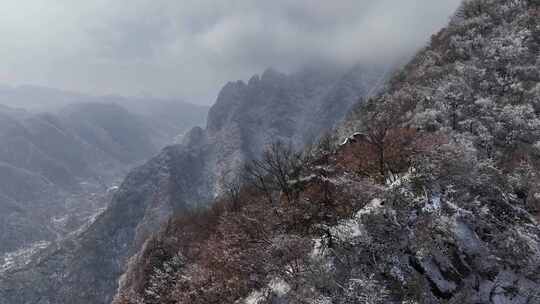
(270, 74)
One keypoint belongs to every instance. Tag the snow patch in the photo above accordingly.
(279, 287)
(255, 297)
(89, 221)
(22, 256)
(397, 180)
(433, 205)
(113, 189)
(351, 229)
(370, 208)
(317, 249)
(347, 230)
(59, 221)
(303, 179)
(350, 138)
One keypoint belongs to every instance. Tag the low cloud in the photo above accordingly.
(189, 48)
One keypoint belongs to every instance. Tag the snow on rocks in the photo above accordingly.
(433, 205)
(372, 207)
(352, 138)
(21, 256)
(254, 297)
(279, 287)
(276, 287)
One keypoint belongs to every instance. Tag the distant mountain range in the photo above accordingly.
(169, 117)
(55, 166)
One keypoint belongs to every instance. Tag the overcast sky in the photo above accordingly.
(190, 48)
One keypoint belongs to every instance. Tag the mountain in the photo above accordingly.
(36, 98)
(432, 197)
(112, 129)
(245, 118)
(45, 160)
(167, 118)
(24, 196)
(56, 166)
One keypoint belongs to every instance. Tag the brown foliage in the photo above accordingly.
(243, 240)
(375, 159)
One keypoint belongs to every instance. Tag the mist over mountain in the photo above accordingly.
(190, 48)
(246, 117)
(167, 117)
(56, 166)
(431, 197)
(337, 175)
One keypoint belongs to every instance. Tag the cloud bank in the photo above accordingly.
(189, 48)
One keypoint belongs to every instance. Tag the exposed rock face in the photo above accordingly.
(86, 268)
(292, 108)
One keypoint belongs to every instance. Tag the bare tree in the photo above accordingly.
(279, 165)
(383, 143)
(233, 189)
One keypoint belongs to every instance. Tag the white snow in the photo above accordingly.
(302, 179)
(113, 188)
(317, 248)
(396, 180)
(371, 207)
(350, 230)
(279, 287)
(59, 221)
(351, 137)
(347, 230)
(433, 205)
(254, 297)
(89, 221)
(21, 256)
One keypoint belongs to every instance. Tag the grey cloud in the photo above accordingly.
(190, 48)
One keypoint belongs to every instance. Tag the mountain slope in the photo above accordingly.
(246, 117)
(433, 199)
(56, 167)
(165, 118)
(112, 129)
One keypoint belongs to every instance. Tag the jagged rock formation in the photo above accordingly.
(435, 198)
(272, 107)
(246, 116)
